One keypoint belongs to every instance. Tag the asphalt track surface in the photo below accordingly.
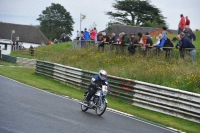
(24, 109)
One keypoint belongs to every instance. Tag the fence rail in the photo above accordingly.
(158, 98)
(169, 52)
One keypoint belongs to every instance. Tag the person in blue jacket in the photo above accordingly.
(96, 83)
(86, 34)
(162, 41)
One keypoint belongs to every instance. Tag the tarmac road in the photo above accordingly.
(25, 109)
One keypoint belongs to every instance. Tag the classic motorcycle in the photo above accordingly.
(98, 102)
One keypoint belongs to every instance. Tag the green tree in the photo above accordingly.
(55, 20)
(136, 13)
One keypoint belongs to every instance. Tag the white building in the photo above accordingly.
(5, 46)
(26, 35)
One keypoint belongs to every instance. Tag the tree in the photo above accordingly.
(55, 20)
(137, 13)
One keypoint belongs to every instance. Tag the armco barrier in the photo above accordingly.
(158, 98)
(19, 60)
(9, 58)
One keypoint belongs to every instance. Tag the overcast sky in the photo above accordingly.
(27, 11)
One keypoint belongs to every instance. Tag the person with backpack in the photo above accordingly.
(164, 42)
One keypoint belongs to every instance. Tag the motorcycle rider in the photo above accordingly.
(96, 83)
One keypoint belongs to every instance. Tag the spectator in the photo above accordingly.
(86, 34)
(100, 40)
(187, 21)
(103, 39)
(78, 35)
(157, 40)
(140, 41)
(55, 41)
(188, 34)
(113, 38)
(179, 45)
(164, 32)
(193, 35)
(119, 40)
(186, 43)
(132, 46)
(31, 49)
(82, 39)
(14, 45)
(161, 43)
(93, 34)
(125, 39)
(181, 24)
(149, 41)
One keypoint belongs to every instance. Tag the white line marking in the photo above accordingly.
(108, 109)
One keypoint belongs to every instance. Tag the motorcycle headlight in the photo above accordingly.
(104, 89)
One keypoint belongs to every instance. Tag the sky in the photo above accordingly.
(27, 11)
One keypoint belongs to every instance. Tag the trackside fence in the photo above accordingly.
(158, 98)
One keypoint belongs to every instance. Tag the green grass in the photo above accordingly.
(27, 76)
(174, 72)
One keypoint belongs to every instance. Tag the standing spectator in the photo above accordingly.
(132, 46)
(187, 21)
(186, 43)
(14, 45)
(188, 34)
(82, 39)
(86, 34)
(179, 46)
(164, 32)
(78, 35)
(93, 34)
(181, 24)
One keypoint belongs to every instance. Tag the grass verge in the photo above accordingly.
(28, 76)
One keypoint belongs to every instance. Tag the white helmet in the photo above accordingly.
(102, 74)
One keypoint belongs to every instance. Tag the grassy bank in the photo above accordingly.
(174, 72)
(27, 76)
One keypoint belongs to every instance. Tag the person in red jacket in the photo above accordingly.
(187, 21)
(181, 24)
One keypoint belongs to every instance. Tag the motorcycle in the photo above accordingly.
(98, 102)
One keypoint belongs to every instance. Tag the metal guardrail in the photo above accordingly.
(162, 99)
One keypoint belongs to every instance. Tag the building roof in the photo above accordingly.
(117, 28)
(26, 33)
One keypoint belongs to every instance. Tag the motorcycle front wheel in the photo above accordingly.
(101, 109)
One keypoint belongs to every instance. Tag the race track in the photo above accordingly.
(24, 109)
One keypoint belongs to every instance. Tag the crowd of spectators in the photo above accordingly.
(144, 40)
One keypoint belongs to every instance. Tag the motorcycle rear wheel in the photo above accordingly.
(83, 107)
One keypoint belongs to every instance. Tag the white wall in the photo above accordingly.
(27, 45)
